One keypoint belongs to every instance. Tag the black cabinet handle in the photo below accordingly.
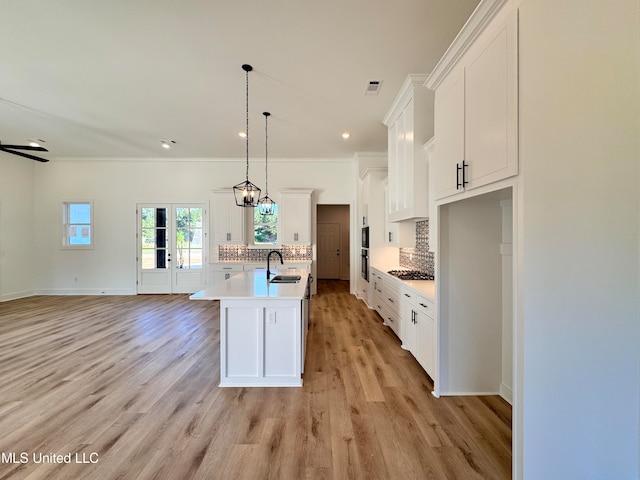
(461, 168)
(464, 174)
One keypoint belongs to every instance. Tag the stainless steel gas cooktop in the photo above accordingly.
(410, 275)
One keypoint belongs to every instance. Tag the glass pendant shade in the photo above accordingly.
(266, 206)
(246, 193)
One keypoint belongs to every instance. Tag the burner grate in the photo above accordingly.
(410, 275)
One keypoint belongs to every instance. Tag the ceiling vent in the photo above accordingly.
(373, 87)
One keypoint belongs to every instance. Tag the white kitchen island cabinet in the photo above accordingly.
(263, 329)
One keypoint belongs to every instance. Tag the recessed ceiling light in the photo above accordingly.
(167, 144)
(346, 135)
(242, 135)
(35, 142)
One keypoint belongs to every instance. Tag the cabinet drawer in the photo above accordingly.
(220, 267)
(420, 302)
(426, 306)
(391, 295)
(390, 318)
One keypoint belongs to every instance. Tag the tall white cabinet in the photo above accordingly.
(409, 125)
(476, 105)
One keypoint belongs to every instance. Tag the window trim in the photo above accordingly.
(65, 225)
(252, 230)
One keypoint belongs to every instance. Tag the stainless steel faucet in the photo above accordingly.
(268, 259)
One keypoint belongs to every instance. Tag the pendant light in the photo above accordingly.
(266, 206)
(246, 193)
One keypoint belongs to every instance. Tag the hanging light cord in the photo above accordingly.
(247, 122)
(266, 155)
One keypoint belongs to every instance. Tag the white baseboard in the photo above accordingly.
(506, 393)
(86, 291)
(465, 394)
(16, 295)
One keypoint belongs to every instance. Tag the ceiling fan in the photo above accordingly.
(13, 148)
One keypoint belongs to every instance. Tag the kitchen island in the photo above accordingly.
(263, 328)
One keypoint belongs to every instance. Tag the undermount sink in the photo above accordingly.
(285, 279)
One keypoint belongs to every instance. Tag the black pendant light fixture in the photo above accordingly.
(246, 193)
(266, 206)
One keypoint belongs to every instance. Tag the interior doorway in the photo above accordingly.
(333, 239)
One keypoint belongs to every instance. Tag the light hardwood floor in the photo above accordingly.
(132, 383)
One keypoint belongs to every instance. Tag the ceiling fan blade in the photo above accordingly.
(26, 155)
(23, 147)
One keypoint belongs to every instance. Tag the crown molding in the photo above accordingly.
(412, 81)
(481, 16)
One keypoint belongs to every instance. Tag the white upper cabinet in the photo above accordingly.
(409, 124)
(227, 219)
(476, 104)
(398, 234)
(295, 217)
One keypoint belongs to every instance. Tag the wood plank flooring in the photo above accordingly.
(131, 383)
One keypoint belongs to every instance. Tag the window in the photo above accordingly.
(265, 227)
(77, 225)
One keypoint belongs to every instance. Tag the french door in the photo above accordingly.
(171, 246)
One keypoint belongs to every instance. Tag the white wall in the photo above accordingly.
(506, 251)
(16, 226)
(579, 101)
(470, 300)
(116, 186)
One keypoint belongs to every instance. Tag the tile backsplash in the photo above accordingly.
(241, 253)
(419, 258)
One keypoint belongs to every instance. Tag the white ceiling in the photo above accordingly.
(98, 78)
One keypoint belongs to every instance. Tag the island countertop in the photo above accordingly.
(254, 285)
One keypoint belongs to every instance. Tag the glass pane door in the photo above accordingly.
(189, 237)
(155, 252)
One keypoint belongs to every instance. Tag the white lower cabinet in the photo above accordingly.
(261, 342)
(221, 272)
(419, 328)
(387, 301)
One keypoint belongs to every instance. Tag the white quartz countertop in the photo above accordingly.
(254, 285)
(425, 287)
